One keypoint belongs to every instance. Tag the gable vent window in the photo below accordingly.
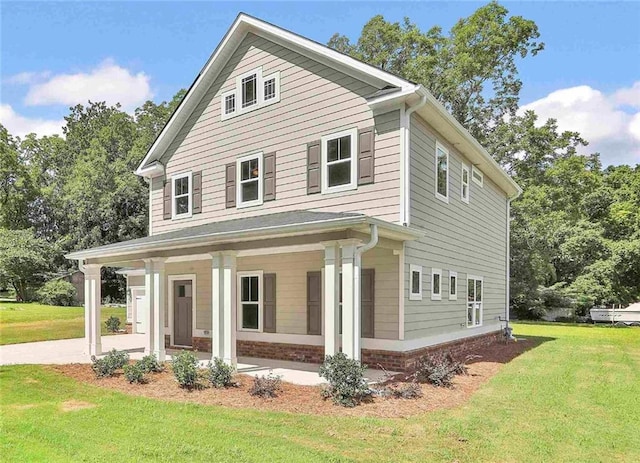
(250, 180)
(230, 104)
(270, 89)
(249, 90)
(252, 91)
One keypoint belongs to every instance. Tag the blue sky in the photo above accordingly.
(57, 54)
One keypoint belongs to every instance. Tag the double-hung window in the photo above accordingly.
(339, 161)
(181, 196)
(415, 282)
(453, 285)
(250, 303)
(436, 284)
(442, 173)
(249, 181)
(474, 301)
(464, 184)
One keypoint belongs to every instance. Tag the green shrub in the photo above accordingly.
(439, 369)
(220, 374)
(347, 386)
(113, 324)
(150, 364)
(135, 373)
(57, 292)
(185, 369)
(266, 386)
(108, 365)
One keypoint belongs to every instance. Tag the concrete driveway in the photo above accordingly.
(65, 350)
(73, 351)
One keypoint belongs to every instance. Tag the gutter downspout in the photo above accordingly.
(357, 325)
(405, 157)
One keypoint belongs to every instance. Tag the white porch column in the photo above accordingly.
(331, 296)
(92, 308)
(350, 317)
(154, 281)
(223, 306)
(230, 308)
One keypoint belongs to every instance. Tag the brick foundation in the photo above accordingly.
(390, 360)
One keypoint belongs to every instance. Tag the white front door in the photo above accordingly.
(141, 316)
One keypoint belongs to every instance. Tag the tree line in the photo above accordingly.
(575, 233)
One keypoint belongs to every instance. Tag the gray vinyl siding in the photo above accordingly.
(315, 100)
(291, 273)
(465, 238)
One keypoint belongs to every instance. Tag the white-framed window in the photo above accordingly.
(453, 286)
(181, 197)
(271, 88)
(436, 284)
(477, 176)
(415, 282)
(249, 180)
(229, 102)
(339, 161)
(249, 90)
(464, 184)
(474, 301)
(442, 173)
(252, 91)
(250, 301)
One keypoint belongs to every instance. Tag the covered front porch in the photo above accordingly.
(305, 286)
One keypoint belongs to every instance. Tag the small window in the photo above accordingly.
(442, 173)
(478, 176)
(249, 171)
(453, 286)
(339, 161)
(181, 196)
(250, 302)
(270, 88)
(249, 90)
(230, 103)
(415, 282)
(474, 301)
(464, 184)
(436, 284)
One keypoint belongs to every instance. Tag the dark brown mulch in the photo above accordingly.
(307, 399)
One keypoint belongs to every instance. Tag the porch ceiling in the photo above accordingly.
(264, 227)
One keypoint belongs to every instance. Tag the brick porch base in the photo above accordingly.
(390, 360)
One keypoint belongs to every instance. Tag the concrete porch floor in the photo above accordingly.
(72, 351)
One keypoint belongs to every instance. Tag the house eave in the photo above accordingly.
(360, 224)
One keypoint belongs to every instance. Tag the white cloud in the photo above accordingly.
(599, 118)
(107, 82)
(26, 78)
(20, 126)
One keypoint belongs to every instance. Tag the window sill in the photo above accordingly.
(249, 330)
(474, 326)
(249, 204)
(181, 216)
(340, 188)
(453, 298)
(442, 198)
(415, 297)
(436, 297)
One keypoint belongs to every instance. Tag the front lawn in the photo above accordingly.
(29, 322)
(574, 398)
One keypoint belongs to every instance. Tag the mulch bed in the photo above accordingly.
(307, 399)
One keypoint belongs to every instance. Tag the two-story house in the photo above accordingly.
(302, 202)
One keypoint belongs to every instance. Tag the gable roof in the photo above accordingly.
(392, 90)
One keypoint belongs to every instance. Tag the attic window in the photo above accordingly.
(252, 91)
(230, 103)
(478, 176)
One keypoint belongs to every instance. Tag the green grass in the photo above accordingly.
(573, 398)
(23, 322)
